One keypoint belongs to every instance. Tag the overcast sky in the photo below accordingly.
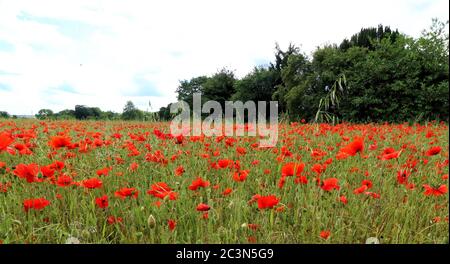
(56, 54)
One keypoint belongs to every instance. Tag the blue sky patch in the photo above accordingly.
(71, 28)
(61, 88)
(6, 46)
(144, 88)
(261, 62)
(4, 87)
(2, 72)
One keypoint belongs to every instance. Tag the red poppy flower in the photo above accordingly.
(302, 179)
(292, 168)
(172, 224)
(223, 163)
(126, 192)
(203, 207)
(240, 176)
(368, 183)
(198, 183)
(343, 199)
(64, 181)
(161, 190)
(227, 191)
(92, 183)
(318, 168)
(325, 234)
(103, 172)
(330, 184)
(134, 166)
(392, 155)
(4, 187)
(179, 170)
(402, 176)
(36, 204)
(48, 171)
(267, 201)
(241, 150)
(60, 142)
(357, 145)
(114, 220)
(281, 182)
(57, 165)
(179, 139)
(361, 189)
(29, 172)
(102, 202)
(373, 195)
(433, 151)
(5, 141)
(430, 191)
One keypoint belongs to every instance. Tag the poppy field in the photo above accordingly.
(134, 182)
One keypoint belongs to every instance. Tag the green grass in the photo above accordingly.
(308, 209)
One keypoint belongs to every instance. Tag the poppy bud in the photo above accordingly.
(85, 234)
(151, 221)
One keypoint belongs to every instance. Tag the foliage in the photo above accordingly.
(219, 87)
(354, 181)
(393, 78)
(130, 112)
(328, 109)
(44, 114)
(4, 114)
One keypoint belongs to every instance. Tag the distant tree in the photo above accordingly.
(65, 114)
(294, 76)
(96, 113)
(281, 57)
(44, 114)
(366, 37)
(187, 88)
(82, 112)
(220, 87)
(258, 85)
(4, 114)
(164, 113)
(110, 115)
(130, 112)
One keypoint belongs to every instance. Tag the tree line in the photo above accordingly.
(82, 112)
(388, 75)
(376, 75)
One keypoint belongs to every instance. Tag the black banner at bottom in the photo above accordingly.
(256, 253)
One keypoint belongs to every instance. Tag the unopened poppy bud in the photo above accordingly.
(85, 233)
(244, 225)
(151, 221)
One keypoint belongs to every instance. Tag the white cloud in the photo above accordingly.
(99, 48)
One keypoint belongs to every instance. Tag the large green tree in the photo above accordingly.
(219, 87)
(187, 88)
